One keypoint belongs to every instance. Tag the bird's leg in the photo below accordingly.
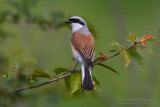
(73, 71)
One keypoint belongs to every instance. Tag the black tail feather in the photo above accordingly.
(87, 80)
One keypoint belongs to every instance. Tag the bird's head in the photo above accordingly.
(76, 22)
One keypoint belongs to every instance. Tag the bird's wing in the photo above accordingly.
(84, 44)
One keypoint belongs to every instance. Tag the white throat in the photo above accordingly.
(76, 26)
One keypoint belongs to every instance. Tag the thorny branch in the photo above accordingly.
(61, 77)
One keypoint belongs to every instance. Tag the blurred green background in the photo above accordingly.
(27, 44)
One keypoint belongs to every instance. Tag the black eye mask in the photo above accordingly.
(73, 20)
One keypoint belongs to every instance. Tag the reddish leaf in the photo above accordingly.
(103, 55)
(94, 83)
(146, 38)
(144, 42)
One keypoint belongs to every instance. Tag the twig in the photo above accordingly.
(117, 53)
(41, 84)
(61, 77)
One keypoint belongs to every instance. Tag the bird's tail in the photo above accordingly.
(87, 78)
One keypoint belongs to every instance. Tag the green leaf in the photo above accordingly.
(97, 84)
(151, 39)
(116, 44)
(5, 75)
(126, 58)
(110, 68)
(75, 82)
(40, 73)
(67, 83)
(132, 36)
(112, 50)
(78, 93)
(136, 56)
(145, 49)
(60, 70)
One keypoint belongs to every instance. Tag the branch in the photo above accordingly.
(135, 44)
(64, 76)
(41, 84)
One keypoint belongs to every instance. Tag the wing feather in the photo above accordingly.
(84, 44)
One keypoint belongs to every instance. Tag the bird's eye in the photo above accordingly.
(74, 20)
(77, 20)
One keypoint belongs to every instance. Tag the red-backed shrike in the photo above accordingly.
(82, 43)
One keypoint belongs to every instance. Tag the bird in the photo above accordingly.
(83, 49)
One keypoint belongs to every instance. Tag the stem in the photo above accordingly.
(135, 44)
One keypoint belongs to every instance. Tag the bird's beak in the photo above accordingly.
(67, 21)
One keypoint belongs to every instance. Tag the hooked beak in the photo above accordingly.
(67, 21)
